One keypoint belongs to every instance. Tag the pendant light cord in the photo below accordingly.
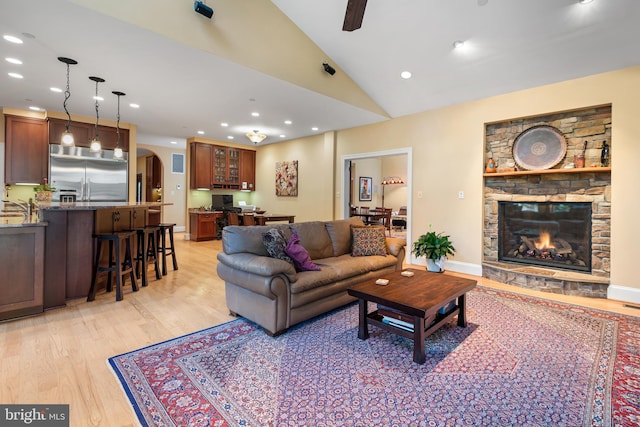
(97, 115)
(67, 95)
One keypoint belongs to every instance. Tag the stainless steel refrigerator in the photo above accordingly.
(96, 177)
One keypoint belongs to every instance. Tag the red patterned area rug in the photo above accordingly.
(521, 362)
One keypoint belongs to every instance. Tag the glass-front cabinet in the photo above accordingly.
(218, 167)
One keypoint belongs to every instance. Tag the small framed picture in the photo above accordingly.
(365, 189)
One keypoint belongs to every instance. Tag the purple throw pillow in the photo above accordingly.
(299, 255)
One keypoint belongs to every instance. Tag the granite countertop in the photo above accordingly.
(98, 205)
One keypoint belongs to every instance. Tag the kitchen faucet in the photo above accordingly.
(25, 207)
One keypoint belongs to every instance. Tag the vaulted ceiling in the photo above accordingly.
(189, 73)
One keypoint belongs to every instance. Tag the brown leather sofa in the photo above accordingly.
(269, 292)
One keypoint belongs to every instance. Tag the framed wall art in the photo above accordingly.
(287, 178)
(364, 192)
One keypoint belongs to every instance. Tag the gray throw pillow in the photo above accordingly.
(274, 242)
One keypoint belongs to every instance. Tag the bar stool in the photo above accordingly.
(147, 251)
(115, 265)
(163, 249)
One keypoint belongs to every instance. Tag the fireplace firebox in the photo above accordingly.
(549, 234)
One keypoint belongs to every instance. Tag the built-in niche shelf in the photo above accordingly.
(550, 171)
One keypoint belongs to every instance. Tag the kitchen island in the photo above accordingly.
(69, 244)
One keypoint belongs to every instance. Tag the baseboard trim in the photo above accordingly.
(623, 293)
(464, 267)
(179, 228)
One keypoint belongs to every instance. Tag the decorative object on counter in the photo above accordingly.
(67, 137)
(96, 145)
(44, 191)
(287, 178)
(539, 147)
(578, 159)
(434, 247)
(604, 154)
(118, 150)
(491, 165)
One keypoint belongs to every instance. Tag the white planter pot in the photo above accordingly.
(436, 265)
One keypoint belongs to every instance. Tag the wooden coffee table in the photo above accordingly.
(420, 297)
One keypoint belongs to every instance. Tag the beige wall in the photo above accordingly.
(448, 157)
(316, 190)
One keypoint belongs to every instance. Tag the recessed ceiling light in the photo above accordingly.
(16, 75)
(55, 89)
(585, 1)
(200, 132)
(314, 128)
(134, 105)
(282, 136)
(12, 39)
(224, 125)
(229, 137)
(458, 44)
(172, 142)
(405, 74)
(13, 61)
(98, 98)
(255, 114)
(287, 122)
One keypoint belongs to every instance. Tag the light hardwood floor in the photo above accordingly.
(61, 356)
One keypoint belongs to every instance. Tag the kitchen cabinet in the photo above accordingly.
(226, 164)
(248, 170)
(218, 167)
(26, 150)
(154, 174)
(201, 165)
(202, 225)
(83, 133)
(111, 220)
(21, 254)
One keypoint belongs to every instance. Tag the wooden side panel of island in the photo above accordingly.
(69, 255)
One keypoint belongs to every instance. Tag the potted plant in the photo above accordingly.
(43, 191)
(434, 247)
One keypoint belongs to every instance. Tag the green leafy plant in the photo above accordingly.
(432, 245)
(45, 186)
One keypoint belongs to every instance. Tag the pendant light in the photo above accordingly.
(67, 137)
(96, 146)
(118, 151)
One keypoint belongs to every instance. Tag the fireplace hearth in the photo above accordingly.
(548, 234)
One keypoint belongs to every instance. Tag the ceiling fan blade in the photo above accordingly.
(353, 16)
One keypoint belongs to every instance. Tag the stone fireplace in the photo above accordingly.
(549, 230)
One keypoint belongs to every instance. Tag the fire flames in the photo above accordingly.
(544, 241)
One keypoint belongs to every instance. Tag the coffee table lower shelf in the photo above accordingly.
(422, 327)
(376, 319)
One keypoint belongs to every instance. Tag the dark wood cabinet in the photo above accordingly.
(201, 166)
(218, 167)
(22, 264)
(83, 133)
(154, 172)
(226, 167)
(248, 170)
(202, 225)
(26, 150)
(111, 220)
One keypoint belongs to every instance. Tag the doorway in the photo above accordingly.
(350, 180)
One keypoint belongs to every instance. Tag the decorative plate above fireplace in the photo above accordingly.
(539, 147)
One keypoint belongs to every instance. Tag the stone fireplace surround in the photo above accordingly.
(591, 184)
